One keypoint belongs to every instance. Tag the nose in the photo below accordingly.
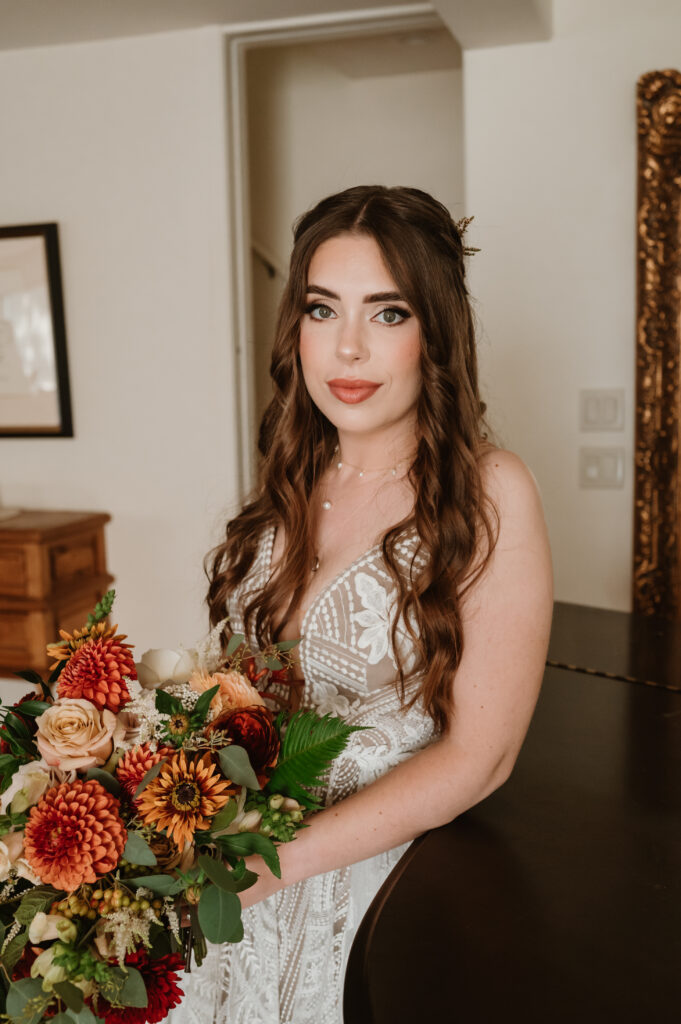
(351, 344)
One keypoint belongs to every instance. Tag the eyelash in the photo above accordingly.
(386, 309)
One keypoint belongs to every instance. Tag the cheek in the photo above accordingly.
(406, 362)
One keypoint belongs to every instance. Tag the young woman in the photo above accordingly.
(411, 558)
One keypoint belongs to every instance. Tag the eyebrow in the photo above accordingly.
(376, 297)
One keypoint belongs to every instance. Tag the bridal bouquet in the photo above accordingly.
(130, 796)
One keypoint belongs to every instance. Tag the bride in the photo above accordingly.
(407, 553)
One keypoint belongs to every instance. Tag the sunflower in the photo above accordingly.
(184, 796)
(71, 642)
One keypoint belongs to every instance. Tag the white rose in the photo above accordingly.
(28, 784)
(11, 845)
(162, 665)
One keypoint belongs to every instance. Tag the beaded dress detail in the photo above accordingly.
(290, 966)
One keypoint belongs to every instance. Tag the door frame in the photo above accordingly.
(238, 40)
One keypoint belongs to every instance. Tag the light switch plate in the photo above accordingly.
(601, 467)
(601, 409)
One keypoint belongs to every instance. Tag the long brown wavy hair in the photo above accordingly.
(455, 521)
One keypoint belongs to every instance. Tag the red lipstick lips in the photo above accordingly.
(352, 391)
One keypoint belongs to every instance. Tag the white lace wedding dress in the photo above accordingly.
(290, 966)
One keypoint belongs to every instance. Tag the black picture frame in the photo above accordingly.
(35, 396)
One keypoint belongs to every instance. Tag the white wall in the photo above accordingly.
(550, 148)
(123, 144)
(314, 131)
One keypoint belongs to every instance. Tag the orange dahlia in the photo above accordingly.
(96, 670)
(71, 642)
(184, 796)
(135, 764)
(74, 834)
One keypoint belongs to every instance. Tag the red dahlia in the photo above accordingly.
(95, 671)
(253, 729)
(163, 991)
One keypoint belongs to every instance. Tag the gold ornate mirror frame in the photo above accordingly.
(657, 552)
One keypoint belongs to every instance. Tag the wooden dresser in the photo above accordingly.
(52, 573)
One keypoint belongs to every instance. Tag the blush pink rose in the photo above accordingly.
(76, 734)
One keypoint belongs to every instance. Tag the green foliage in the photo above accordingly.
(200, 710)
(70, 994)
(36, 900)
(13, 950)
(308, 747)
(244, 843)
(102, 610)
(223, 878)
(235, 641)
(236, 766)
(138, 851)
(167, 704)
(148, 776)
(32, 708)
(224, 818)
(134, 992)
(220, 915)
(163, 885)
(26, 1000)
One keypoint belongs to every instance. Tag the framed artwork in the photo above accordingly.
(35, 398)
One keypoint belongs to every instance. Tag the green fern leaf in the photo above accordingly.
(308, 747)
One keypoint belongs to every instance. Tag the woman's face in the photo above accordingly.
(360, 347)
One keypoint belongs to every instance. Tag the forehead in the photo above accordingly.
(354, 259)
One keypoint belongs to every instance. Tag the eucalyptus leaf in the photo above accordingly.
(149, 776)
(234, 641)
(286, 645)
(138, 851)
(224, 818)
(134, 992)
(273, 663)
(23, 992)
(236, 766)
(70, 994)
(106, 779)
(163, 885)
(62, 1018)
(220, 915)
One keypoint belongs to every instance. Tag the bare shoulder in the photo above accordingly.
(522, 543)
(508, 481)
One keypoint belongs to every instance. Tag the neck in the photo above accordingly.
(378, 450)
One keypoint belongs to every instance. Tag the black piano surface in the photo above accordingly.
(558, 898)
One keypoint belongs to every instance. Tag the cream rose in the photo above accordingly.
(11, 846)
(74, 733)
(161, 665)
(235, 690)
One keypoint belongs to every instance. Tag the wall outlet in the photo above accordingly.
(601, 410)
(601, 467)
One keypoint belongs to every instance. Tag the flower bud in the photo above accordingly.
(250, 821)
(66, 930)
(192, 894)
(289, 804)
(275, 801)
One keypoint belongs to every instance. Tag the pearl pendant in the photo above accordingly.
(340, 465)
(315, 564)
(326, 505)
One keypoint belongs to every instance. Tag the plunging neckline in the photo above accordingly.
(328, 586)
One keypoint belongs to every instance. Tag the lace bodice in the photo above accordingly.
(289, 968)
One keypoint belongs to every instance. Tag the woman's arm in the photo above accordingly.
(506, 621)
